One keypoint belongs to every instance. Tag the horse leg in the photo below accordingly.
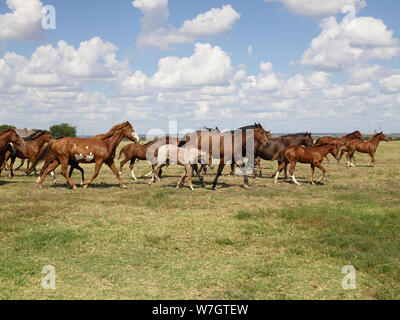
(232, 173)
(97, 167)
(50, 167)
(21, 164)
(219, 172)
(291, 171)
(181, 179)
(11, 172)
(312, 168)
(280, 168)
(75, 165)
(113, 168)
(372, 154)
(121, 164)
(189, 171)
(321, 179)
(154, 173)
(341, 155)
(64, 168)
(196, 169)
(131, 165)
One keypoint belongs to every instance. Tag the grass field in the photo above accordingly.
(155, 242)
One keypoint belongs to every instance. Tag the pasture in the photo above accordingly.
(274, 241)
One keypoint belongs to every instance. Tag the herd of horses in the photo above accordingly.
(243, 148)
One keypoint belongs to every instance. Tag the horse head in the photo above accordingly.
(260, 134)
(130, 133)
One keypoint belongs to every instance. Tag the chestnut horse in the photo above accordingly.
(312, 155)
(135, 151)
(351, 136)
(49, 158)
(364, 147)
(7, 137)
(229, 146)
(98, 149)
(32, 147)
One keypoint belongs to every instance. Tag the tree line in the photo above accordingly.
(57, 130)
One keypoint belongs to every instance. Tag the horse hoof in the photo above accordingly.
(203, 185)
(191, 188)
(124, 186)
(213, 188)
(74, 188)
(39, 186)
(85, 186)
(246, 187)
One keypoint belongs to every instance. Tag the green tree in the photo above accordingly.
(6, 127)
(63, 130)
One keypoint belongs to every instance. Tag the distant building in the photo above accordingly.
(24, 132)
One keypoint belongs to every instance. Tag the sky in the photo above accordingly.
(293, 65)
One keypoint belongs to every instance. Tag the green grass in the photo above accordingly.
(155, 242)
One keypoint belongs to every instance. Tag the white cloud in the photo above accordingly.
(155, 12)
(318, 8)
(23, 22)
(391, 84)
(207, 66)
(216, 21)
(342, 45)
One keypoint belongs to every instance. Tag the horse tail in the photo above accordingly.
(277, 154)
(41, 155)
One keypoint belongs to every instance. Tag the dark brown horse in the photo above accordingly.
(267, 151)
(232, 145)
(364, 147)
(30, 150)
(135, 151)
(312, 155)
(98, 149)
(9, 137)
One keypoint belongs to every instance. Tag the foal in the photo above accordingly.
(312, 155)
(187, 157)
(364, 147)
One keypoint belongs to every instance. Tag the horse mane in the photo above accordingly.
(6, 131)
(350, 134)
(111, 131)
(36, 135)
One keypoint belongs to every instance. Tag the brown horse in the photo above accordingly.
(312, 155)
(98, 149)
(351, 136)
(32, 147)
(232, 145)
(50, 157)
(364, 147)
(135, 151)
(7, 137)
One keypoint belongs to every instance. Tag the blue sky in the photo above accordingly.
(292, 65)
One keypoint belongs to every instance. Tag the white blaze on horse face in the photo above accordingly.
(74, 146)
(134, 134)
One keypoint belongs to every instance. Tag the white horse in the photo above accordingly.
(187, 157)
